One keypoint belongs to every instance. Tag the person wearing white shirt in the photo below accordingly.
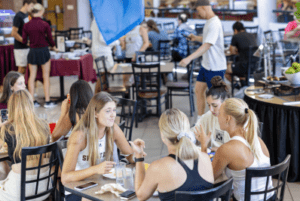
(212, 51)
(100, 48)
(209, 121)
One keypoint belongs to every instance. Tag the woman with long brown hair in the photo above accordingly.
(93, 142)
(13, 81)
(245, 149)
(155, 35)
(23, 129)
(186, 168)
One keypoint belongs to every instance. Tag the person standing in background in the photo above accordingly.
(100, 48)
(21, 50)
(39, 54)
(212, 51)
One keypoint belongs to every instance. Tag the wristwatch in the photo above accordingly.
(139, 159)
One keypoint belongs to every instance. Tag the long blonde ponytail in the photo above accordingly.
(245, 117)
(175, 126)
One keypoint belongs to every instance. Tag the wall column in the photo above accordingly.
(265, 15)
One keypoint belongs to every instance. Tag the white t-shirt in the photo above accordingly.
(214, 58)
(99, 47)
(210, 123)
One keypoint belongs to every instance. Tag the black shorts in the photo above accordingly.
(38, 56)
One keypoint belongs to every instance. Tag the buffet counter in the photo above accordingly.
(281, 129)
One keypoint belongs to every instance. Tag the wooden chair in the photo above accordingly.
(50, 179)
(183, 88)
(221, 190)
(103, 76)
(268, 172)
(147, 80)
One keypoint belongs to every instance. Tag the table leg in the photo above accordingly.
(62, 90)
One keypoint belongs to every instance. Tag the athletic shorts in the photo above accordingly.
(21, 57)
(206, 75)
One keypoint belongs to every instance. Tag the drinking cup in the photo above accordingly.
(119, 169)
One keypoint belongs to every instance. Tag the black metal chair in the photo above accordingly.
(89, 35)
(127, 115)
(251, 67)
(267, 172)
(61, 144)
(183, 88)
(147, 80)
(169, 28)
(269, 36)
(76, 33)
(165, 49)
(221, 190)
(50, 179)
(159, 26)
(199, 28)
(103, 76)
(253, 30)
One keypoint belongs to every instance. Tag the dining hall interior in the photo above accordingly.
(149, 100)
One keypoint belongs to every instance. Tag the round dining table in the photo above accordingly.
(281, 127)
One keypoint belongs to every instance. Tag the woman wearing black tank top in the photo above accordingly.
(185, 169)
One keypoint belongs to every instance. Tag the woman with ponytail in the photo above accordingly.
(155, 35)
(186, 168)
(245, 149)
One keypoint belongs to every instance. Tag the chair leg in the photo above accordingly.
(167, 101)
(191, 103)
(232, 86)
(175, 76)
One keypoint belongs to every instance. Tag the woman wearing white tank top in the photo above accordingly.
(245, 149)
(92, 142)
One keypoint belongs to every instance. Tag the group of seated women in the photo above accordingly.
(229, 126)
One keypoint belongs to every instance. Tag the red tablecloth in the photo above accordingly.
(82, 67)
(7, 61)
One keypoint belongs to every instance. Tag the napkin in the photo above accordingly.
(113, 188)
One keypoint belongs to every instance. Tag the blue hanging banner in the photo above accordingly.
(115, 18)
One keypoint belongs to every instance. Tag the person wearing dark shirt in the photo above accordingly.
(39, 54)
(21, 50)
(240, 43)
(23, 129)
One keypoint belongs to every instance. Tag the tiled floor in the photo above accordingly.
(147, 130)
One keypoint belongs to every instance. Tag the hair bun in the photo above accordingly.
(217, 81)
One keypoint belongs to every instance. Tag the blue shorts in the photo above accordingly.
(206, 75)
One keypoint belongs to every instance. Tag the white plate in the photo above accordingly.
(112, 175)
(266, 96)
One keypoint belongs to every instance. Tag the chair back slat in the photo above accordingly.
(102, 72)
(165, 49)
(127, 115)
(221, 190)
(281, 170)
(42, 152)
(76, 33)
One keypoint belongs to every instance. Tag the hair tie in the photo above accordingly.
(183, 134)
(246, 110)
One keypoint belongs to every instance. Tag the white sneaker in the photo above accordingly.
(50, 104)
(36, 104)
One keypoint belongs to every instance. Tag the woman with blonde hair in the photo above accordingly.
(186, 168)
(23, 129)
(245, 149)
(94, 142)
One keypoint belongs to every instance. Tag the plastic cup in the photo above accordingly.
(128, 179)
(119, 169)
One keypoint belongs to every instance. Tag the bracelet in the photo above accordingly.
(139, 159)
